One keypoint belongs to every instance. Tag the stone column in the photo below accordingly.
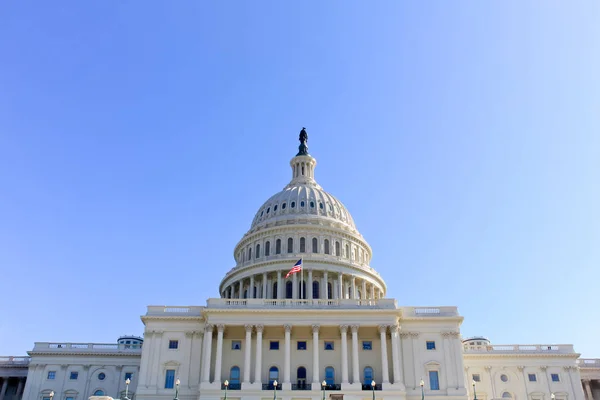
(247, 355)
(294, 286)
(588, 389)
(240, 288)
(208, 331)
(353, 288)
(288, 355)
(258, 365)
(364, 289)
(263, 294)
(395, 355)
(219, 358)
(20, 388)
(4, 387)
(344, 332)
(310, 286)
(315, 330)
(355, 372)
(372, 291)
(341, 285)
(325, 285)
(251, 288)
(279, 284)
(385, 374)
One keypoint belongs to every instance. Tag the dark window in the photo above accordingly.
(290, 246)
(315, 245)
(99, 393)
(234, 375)
(326, 245)
(434, 381)
(278, 246)
(101, 376)
(301, 345)
(128, 375)
(532, 378)
(267, 249)
(367, 345)
(275, 208)
(274, 345)
(337, 249)
(51, 374)
(283, 206)
(330, 375)
(302, 245)
(275, 290)
(555, 377)
(236, 345)
(249, 254)
(273, 373)
(169, 379)
(262, 212)
(329, 291)
(476, 378)
(288, 289)
(257, 250)
(74, 375)
(315, 289)
(268, 209)
(321, 206)
(301, 376)
(368, 375)
(302, 204)
(430, 345)
(328, 345)
(293, 205)
(173, 344)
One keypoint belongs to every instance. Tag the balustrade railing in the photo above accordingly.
(521, 348)
(91, 347)
(301, 386)
(14, 360)
(232, 386)
(303, 303)
(269, 386)
(589, 362)
(333, 386)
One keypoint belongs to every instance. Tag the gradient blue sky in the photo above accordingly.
(138, 139)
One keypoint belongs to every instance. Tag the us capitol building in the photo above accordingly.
(326, 331)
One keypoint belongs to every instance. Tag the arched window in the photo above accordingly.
(315, 245)
(367, 375)
(337, 248)
(330, 375)
(329, 290)
(288, 289)
(99, 393)
(301, 377)
(267, 249)
(326, 245)
(234, 375)
(273, 375)
(506, 395)
(290, 248)
(315, 289)
(347, 251)
(249, 254)
(275, 290)
(257, 250)
(278, 246)
(302, 245)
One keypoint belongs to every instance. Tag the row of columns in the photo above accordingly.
(20, 387)
(383, 329)
(342, 288)
(588, 389)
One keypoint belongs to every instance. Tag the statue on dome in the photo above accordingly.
(303, 148)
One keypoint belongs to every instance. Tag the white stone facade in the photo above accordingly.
(329, 327)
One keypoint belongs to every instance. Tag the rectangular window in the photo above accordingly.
(367, 345)
(69, 398)
(236, 345)
(532, 378)
(328, 345)
(45, 398)
(555, 377)
(430, 345)
(173, 344)
(74, 375)
(301, 345)
(128, 375)
(274, 345)
(170, 379)
(476, 378)
(434, 381)
(51, 374)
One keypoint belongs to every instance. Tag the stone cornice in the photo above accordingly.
(520, 355)
(82, 353)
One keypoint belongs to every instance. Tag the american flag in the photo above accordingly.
(296, 268)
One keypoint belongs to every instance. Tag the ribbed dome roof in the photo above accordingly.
(298, 201)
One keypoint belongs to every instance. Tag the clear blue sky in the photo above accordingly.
(138, 139)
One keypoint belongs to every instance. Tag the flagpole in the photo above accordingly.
(302, 290)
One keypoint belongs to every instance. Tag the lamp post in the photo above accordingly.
(177, 382)
(552, 396)
(422, 389)
(474, 391)
(127, 382)
(275, 389)
(373, 388)
(323, 385)
(52, 395)
(226, 384)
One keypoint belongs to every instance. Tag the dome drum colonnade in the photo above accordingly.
(303, 221)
